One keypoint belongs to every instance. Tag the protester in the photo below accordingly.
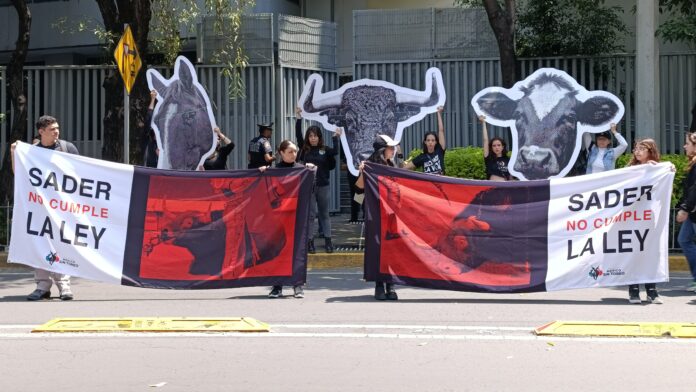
(600, 156)
(49, 132)
(149, 146)
(223, 148)
(495, 156)
(687, 210)
(385, 149)
(260, 151)
(432, 160)
(645, 151)
(288, 155)
(313, 150)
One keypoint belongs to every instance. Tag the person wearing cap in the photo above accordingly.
(260, 152)
(600, 156)
(385, 150)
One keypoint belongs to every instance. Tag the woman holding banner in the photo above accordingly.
(384, 152)
(288, 154)
(687, 210)
(495, 156)
(645, 151)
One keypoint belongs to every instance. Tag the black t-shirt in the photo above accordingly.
(220, 160)
(61, 145)
(431, 163)
(497, 166)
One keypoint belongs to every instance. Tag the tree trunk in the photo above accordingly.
(116, 13)
(503, 24)
(16, 91)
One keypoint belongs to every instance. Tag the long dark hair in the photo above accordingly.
(491, 154)
(306, 146)
(437, 141)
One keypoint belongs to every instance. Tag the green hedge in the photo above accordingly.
(467, 162)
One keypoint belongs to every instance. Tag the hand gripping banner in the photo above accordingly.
(605, 229)
(158, 228)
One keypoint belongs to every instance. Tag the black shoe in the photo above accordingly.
(39, 294)
(328, 245)
(391, 293)
(379, 292)
(310, 247)
(276, 292)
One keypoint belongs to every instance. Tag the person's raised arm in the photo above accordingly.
(623, 144)
(298, 128)
(482, 119)
(441, 127)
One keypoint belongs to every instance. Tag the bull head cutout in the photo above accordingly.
(547, 112)
(183, 118)
(366, 108)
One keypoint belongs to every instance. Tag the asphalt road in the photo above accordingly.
(339, 339)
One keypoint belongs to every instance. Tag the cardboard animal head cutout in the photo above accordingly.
(366, 108)
(548, 113)
(183, 118)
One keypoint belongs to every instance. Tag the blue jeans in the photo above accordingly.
(319, 208)
(686, 238)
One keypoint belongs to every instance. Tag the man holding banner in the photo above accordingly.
(49, 131)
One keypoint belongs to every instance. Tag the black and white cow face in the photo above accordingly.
(548, 112)
(367, 108)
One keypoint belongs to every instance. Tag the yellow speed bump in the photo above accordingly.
(154, 324)
(627, 329)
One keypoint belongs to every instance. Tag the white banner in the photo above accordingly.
(609, 231)
(70, 213)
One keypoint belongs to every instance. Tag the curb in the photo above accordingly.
(319, 261)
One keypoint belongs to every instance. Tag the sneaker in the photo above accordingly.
(391, 293)
(276, 292)
(328, 245)
(39, 294)
(380, 295)
(299, 292)
(66, 296)
(310, 247)
(692, 287)
(634, 299)
(655, 300)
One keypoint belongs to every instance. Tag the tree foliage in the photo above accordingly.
(681, 26)
(569, 27)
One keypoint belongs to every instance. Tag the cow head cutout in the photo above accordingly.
(366, 108)
(548, 113)
(183, 118)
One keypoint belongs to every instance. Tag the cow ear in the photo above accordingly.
(497, 105)
(158, 83)
(597, 111)
(185, 76)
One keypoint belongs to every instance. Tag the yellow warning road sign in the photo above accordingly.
(128, 59)
(154, 324)
(627, 329)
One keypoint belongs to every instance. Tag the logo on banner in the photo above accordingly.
(596, 272)
(52, 257)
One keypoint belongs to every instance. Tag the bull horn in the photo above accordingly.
(413, 97)
(321, 102)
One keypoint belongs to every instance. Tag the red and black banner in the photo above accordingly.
(447, 233)
(218, 229)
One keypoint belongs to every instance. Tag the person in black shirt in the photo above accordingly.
(432, 160)
(495, 156)
(260, 152)
(313, 150)
(288, 155)
(218, 161)
(149, 144)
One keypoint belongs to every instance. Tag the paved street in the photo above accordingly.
(338, 338)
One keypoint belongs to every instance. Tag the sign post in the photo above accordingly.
(129, 64)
